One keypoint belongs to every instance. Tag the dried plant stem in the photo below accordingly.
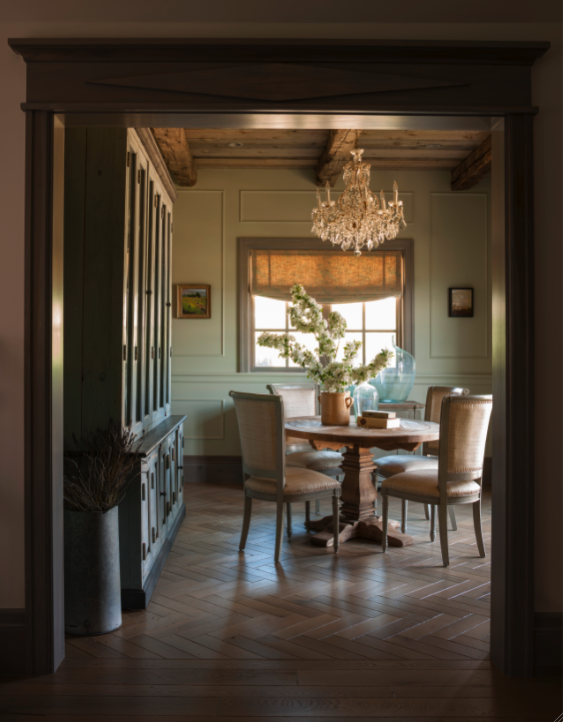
(97, 474)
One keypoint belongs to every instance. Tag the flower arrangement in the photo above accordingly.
(306, 315)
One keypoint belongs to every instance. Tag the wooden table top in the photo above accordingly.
(410, 432)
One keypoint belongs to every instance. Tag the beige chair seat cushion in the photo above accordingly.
(424, 482)
(390, 465)
(297, 481)
(316, 460)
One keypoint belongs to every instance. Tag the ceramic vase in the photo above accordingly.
(335, 408)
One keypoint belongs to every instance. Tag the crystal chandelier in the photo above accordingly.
(358, 218)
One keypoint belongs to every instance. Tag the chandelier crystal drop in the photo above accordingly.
(358, 218)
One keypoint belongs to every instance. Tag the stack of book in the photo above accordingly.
(379, 420)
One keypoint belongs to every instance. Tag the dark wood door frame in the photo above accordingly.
(164, 79)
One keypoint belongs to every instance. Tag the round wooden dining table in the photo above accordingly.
(357, 513)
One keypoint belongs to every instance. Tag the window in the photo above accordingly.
(268, 267)
(374, 323)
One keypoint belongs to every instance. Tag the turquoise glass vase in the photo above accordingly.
(395, 383)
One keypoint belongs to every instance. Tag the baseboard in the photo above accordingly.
(548, 642)
(12, 641)
(213, 470)
(140, 598)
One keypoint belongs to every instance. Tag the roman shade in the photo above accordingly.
(328, 276)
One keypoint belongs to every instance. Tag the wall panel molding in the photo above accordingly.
(213, 293)
(202, 418)
(278, 206)
(464, 276)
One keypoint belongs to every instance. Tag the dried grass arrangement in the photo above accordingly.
(99, 471)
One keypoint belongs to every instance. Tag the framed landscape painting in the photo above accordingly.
(194, 300)
(461, 302)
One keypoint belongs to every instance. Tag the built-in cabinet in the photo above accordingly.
(117, 320)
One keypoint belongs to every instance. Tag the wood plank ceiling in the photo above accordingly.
(465, 153)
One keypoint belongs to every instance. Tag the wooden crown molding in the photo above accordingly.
(156, 157)
(274, 50)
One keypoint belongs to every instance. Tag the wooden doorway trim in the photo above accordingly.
(134, 82)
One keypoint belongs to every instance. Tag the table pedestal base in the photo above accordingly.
(370, 528)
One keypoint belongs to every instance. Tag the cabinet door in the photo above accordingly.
(168, 477)
(134, 305)
(167, 381)
(162, 497)
(154, 525)
(173, 476)
(145, 515)
(157, 309)
(180, 463)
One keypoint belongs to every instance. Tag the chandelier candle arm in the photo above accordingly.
(358, 218)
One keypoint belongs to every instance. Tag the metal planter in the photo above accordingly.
(92, 574)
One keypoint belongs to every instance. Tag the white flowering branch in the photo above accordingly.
(306, 316)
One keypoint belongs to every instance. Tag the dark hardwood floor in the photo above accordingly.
(231, 636)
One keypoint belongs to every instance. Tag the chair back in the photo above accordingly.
(463, 433)
(260, 420)
(298, 400)
(433, 410)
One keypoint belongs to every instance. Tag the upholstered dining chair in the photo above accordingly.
(388, 466)
(464, 424)
(262, 434)
(301, 400)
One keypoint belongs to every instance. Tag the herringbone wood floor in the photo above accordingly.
(230, 635)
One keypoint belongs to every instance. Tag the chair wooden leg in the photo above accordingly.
(404, 513)
(245, 521)
(452, 518)
(426, 511)
(289, 529)
(336, 521)
(317, 506)
(279, 531)
(385, 522)
(443, 523)
(432, 522)
(307, 514)
(478, 529)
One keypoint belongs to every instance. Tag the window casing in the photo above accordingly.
(361, 317)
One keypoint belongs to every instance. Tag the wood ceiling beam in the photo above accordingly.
(176, 152)
(335, 154)
(474, 168)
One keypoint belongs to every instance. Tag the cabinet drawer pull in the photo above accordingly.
(152, 480)
(167, 461)
(153, 535)
(173, 453)
(144, 551)
(143, 494)
(162, 493)
(180, 467)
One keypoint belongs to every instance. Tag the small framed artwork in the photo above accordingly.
(460, 302)
(194, 300)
